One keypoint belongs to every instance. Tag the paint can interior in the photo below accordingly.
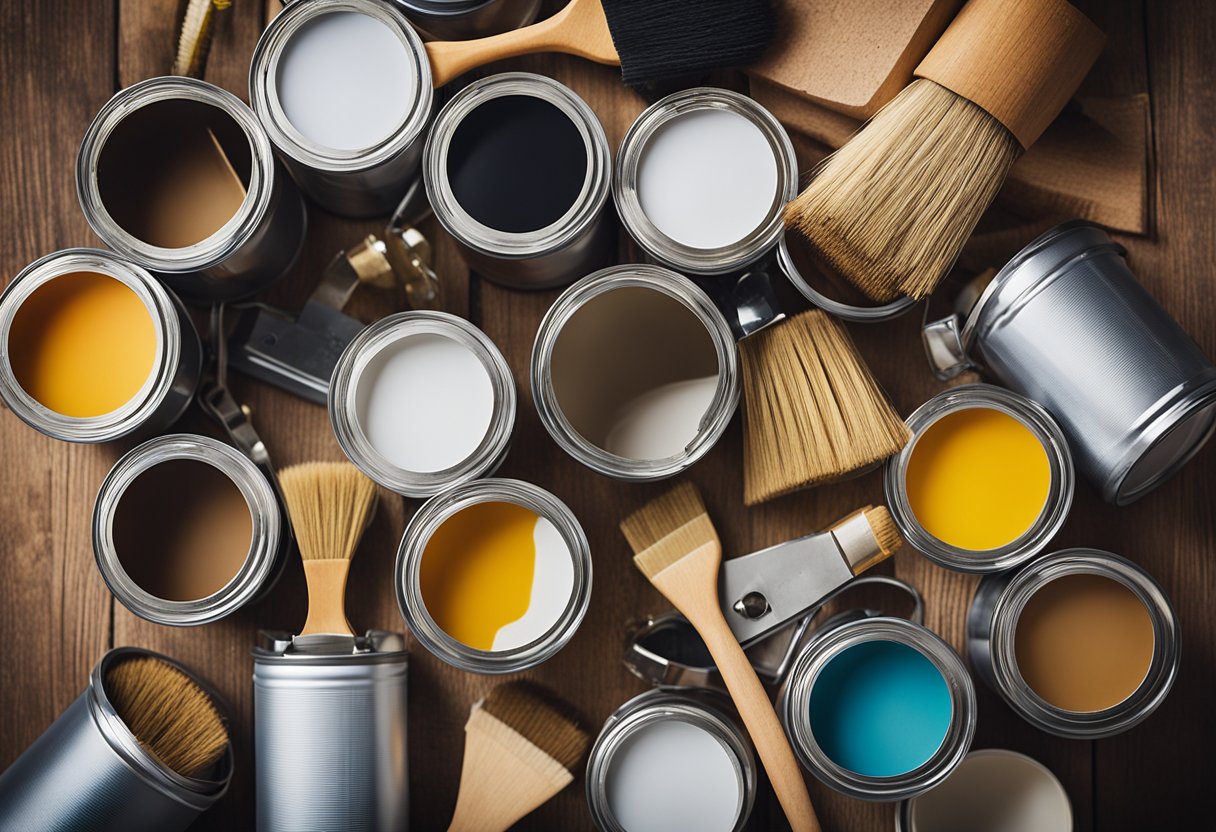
(702, 178)
(422, 401)
(986, 481)
(187, 530)
(177, 175)
(343, 88)
(1081, 643)
(467, 19)
(879, 708)
(93, 348)
(494, 576)
(635, 373)
(829, 291)
(517, 170)
(994, 790)
(672, 760)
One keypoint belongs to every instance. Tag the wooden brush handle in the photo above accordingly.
(579, 29)
(326, 581)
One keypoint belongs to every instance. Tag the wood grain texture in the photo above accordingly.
(59, 62)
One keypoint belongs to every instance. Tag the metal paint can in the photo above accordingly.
(992, 626)
(347, 397)
(602, 286)
(467, 19)
(809, 280)
(1066, 324)
(330, 732)
(709, 711)
(268, 548)
(88, 772)
(175, 373)
(727, 257)
(248, 252)
(1055, 508)
(581, 239)
(442, 507)
(843, 634)
(354, 182)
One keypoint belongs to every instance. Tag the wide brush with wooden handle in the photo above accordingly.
(677, 548)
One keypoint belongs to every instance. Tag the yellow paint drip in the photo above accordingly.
(978, 479)
(82, 344)
(477, 571)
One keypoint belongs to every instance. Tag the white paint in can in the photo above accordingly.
(673, 776)
(552, 586)
(662, 422)
(346, 80)
(707, 178)
(994, 790)
(425, 402)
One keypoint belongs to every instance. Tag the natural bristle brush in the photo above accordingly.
(891, 209)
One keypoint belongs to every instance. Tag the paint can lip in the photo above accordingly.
(492, 242)
(1055, 508)
(688, 259)
(844, 311)
(267, 548)
(413, 544)
(999, 629)
(162, 308)
(677, 287)
(343, 398)
(197, 793)
(905, 808)
(230, 237)
(793, 707)
(264, 99)
(708, 710)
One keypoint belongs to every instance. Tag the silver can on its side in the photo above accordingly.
(250, 251)
(89, 773)
(366, 182)
(330, 733)
(1066, 324)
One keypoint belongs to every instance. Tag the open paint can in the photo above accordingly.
(1080, 643)
(518, 171)
(467, 19)
(187, 530)
(992, 790)
(494, 576)
(635, 372)
(179, 176)
(422, 401)
(878, 708)
(93, 348)
(1066, 323)
(89, 772)
(672, 760)
(986, 481)
(343, 88)
(702, 179)
(827, 290)
(330, 739)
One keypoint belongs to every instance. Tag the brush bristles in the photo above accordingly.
(541, 718)
(892, 208)
(661, 39)
(668, 528)
(884, 529)
(812, 410)
(170, 715)
(329, 504)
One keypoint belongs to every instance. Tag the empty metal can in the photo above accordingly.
(330, 732)
(1066, 324)
(89, 773)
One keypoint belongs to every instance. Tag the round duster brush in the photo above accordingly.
(891, 209)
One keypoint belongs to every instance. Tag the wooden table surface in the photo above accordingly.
(59, 62)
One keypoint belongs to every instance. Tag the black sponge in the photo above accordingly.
(659, 39)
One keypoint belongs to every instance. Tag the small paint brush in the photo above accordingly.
(676, 547)
(519, 748)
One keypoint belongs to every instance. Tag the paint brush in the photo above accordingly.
(651, 40)
(520, 745)
(330, 505)
(892, 208)
(677, 548)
